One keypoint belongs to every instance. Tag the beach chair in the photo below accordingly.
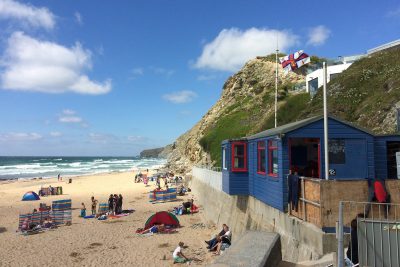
(103, 207)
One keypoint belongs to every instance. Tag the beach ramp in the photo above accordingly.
(253, 248)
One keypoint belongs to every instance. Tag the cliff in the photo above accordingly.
(151, 153)
(245, 106)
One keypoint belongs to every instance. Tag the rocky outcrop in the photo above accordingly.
(252, 85)
(151, 153)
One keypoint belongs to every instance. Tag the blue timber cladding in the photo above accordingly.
(359, 148)
(380, 146)
(365, 157)
(234, 183)
(266, 188)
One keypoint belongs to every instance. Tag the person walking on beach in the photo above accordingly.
(94, 205)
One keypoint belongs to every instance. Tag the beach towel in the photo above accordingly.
(89, 217)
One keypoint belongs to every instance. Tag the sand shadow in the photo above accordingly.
(3, 230)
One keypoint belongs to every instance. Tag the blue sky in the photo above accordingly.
(112, 78)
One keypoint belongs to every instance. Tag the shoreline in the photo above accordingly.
(134, 171)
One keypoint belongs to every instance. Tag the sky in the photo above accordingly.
(111, 78)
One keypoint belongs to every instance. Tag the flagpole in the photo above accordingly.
(276, 83)
(326, 145)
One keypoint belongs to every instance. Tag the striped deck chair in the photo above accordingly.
(103, 207)
(62, 212)
(22, 218)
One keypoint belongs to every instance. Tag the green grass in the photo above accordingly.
(365, 92)
(289, 111)
(234, 125)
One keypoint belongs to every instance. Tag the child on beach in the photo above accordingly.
(178, 255)
(94, 205)
(83, 210)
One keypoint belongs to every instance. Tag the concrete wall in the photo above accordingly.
(300, 241)
(209, 177)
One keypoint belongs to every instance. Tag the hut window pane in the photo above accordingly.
(337, 151)
(261, 157)
(273, 158)
(224, 158)
(239, 157)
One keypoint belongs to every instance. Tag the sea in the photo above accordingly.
(12, 168)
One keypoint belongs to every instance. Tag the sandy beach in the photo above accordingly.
(89, 242)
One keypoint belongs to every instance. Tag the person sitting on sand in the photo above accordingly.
(48, 223)
(187, 206)
(94, 205)
(154, 229)
(223, 241)
(83, 210)
(211, 243)
(178, 255)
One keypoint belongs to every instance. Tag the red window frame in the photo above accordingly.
(261, 147)
(271, 148)
(244, 144)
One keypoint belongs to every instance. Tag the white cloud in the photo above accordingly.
(180, 97)
(136, 72)
(162, 71)
(34, 65)
(55, 134)
(70, 116)
(70, 119)
(20, 137)
(233, 47)
(78, 18)
(318, 35)
(27, 14)
(68, 112)
(393, 13)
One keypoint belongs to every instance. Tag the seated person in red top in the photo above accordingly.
(377, 193)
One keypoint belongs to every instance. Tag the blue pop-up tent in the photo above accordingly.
(30, 196)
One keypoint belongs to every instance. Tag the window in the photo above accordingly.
(239, 157)
(261, 157)
(337, 151)
(273, 158)
(224, 158)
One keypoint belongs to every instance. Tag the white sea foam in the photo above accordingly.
(50, 167)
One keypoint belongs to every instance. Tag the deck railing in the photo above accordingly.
(208, 176)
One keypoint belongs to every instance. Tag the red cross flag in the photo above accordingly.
(294, 61)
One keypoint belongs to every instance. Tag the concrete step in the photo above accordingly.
(253, 248)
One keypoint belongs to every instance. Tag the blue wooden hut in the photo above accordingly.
(259, 164)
